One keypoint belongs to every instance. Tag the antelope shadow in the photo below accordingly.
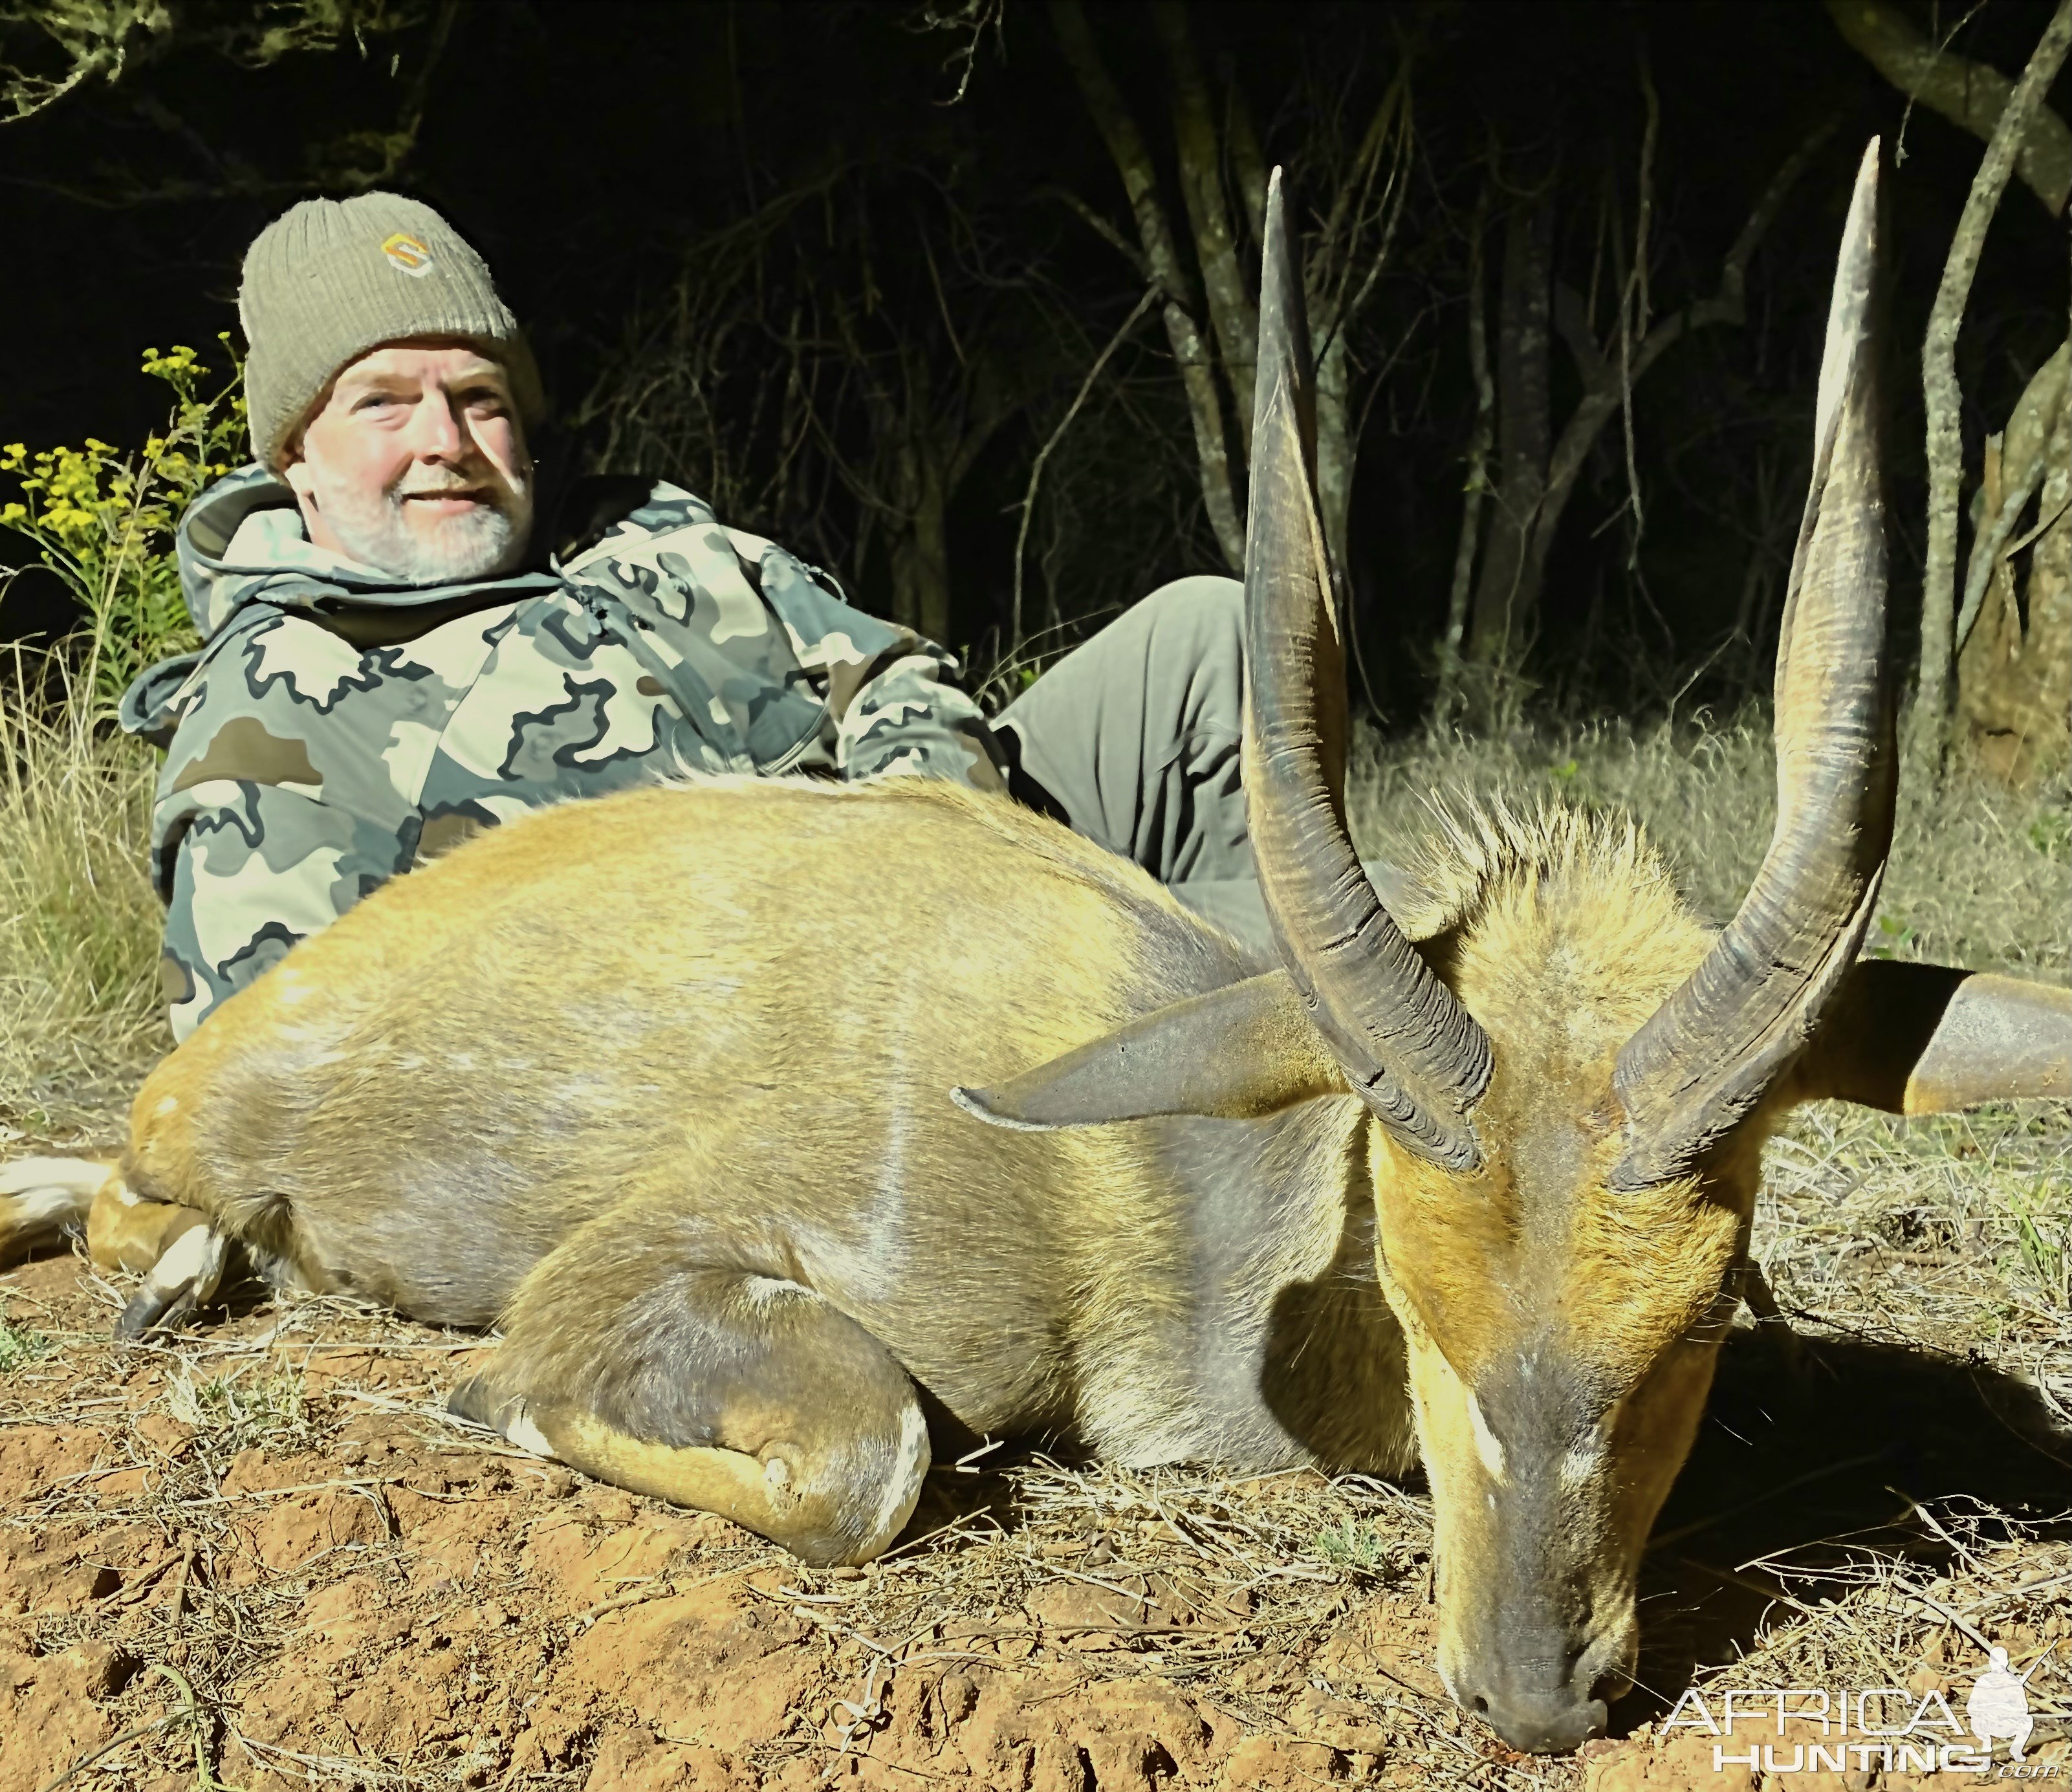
(1813, 1454)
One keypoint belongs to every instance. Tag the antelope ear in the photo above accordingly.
(1926, 1039)
(1244, 1050)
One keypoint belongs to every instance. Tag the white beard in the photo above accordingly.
(487, 540)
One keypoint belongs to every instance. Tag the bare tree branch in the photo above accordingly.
(1971, 95)
(1232, 312)
(1571, 323)
(1635, 307)
(1248, 165)
(354, 162)
(1056, 435)
(1101, 227)
(1604, 392)
(94, 40)
(1943, 399)
(1506, 590)
(1126, 146)
(1132, 160)
(1336, 255)
(1476, 487)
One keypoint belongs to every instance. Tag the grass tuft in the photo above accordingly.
(1351, 1543)
(266, 1410)
(19, 1346)
(79, 923)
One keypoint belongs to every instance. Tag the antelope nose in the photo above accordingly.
(1539, 1722)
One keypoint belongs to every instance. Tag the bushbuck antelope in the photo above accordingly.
(1468, 1184)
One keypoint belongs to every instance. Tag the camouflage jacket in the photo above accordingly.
(336, 729)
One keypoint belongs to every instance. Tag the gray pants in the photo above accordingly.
(1132, 741)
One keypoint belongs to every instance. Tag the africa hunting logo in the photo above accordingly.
(1888, 1729)
(408, 254)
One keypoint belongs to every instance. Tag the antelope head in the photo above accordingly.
(1570, 1078)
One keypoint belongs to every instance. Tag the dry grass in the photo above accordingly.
(79, 922)
(1980, 875)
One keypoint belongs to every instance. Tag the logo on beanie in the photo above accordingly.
(408, 254)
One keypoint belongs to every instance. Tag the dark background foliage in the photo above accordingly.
(812, 257)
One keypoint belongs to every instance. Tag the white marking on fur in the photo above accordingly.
(874, 1269)
(777, 1472)
(527, 1435)
(910, 1463)
(1580, 1465)
(760, 1291)
(81, 1175)
(170, 1105)
(193, 1262)
(40, 1209)
(1487, 1445)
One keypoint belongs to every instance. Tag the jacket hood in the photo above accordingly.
(242, 542)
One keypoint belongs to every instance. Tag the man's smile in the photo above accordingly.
(450, 503)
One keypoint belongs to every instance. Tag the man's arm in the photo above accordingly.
(277, 810)
(249, 869)
(893, 697)
(713, 600)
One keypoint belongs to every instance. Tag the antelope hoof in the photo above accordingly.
(186, 1275)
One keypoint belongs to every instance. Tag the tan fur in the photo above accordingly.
(1561, 933)
(125, 1233)
(707, 1032)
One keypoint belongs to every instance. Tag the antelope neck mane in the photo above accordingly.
(1562, 928)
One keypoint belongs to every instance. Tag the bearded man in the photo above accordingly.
(400, 650)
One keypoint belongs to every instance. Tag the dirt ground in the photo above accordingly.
(261, 1556)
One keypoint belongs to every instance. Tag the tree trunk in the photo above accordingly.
(1337, 449)
(1132, 157)
(1475, 486)
(1943, 400)
(1231, 310)
(1505, 603)
(2014, 673)
(2024, 461)
(920, 549)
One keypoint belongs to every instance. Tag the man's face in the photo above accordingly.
(414, 462)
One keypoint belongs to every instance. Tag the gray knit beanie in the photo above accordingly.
(329, 279)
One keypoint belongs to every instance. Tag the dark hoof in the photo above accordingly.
(150, 1311)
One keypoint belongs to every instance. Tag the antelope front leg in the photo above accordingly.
(43, 1198)
(180, 1256)
(733, 1392)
